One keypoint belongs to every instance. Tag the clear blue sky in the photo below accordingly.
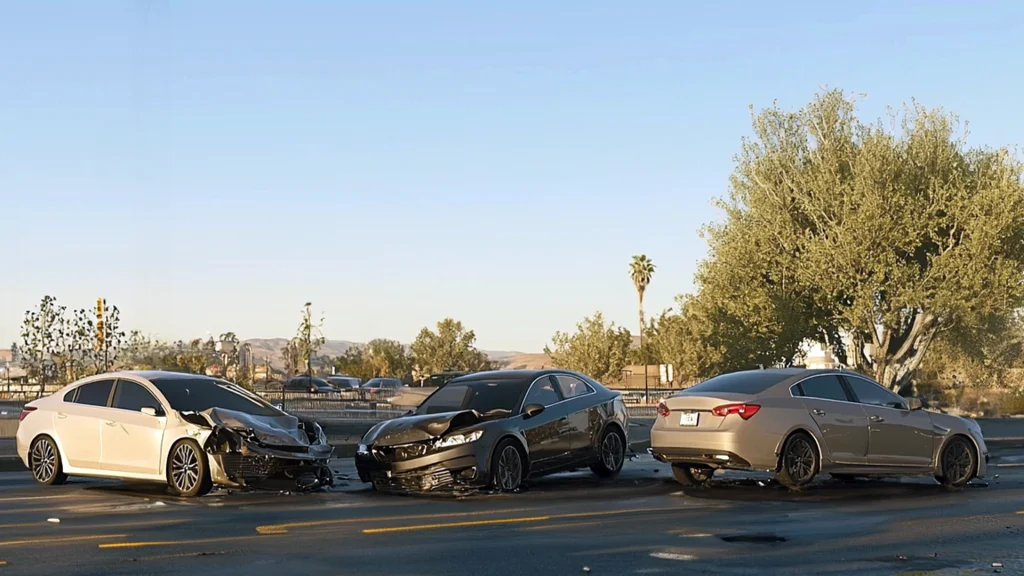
(211, 166)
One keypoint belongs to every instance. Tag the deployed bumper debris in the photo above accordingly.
(252, 451)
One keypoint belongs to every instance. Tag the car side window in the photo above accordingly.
(542, 392)
(95, 393)
(571, 386)
(132, 396)
(873, 394)
(70, 396)
(825, 387)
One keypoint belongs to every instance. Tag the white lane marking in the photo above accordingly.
(672, 556)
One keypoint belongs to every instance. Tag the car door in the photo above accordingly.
(546, 433)
(77, 423)
(133, 441)
(583, 418)
(897, 436)
(842, 422)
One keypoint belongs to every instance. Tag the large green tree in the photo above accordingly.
(388, 358)
(889, 234)
(451, 347)
(353, 362)
(598, 349)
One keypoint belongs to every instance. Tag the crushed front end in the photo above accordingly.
(262, 452)
(453, 464)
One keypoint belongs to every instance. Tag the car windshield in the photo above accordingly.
(199, 394)
(481, 395)
(753, 382)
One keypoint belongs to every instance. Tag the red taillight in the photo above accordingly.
(25, 412)
(662, 408)
(744, 410)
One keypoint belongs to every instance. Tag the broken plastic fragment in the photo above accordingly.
(586, 569)
(997, 564)
(53, 520)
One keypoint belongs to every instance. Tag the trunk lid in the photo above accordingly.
(683, 406)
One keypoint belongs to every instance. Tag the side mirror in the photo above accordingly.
(149, 411)
(531, 410)
(914, 404)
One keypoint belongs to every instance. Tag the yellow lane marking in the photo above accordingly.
(512, 520)
(61, 539)
(176, 542)
(3, 562)
(455, 524)
(72, 526)
(562, 525)
(283, 528)
(25, 525)
(55, 497)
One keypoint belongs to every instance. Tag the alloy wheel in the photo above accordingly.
(956, 462)
(612, 452)
(43, 460)
(185, 468)
(510, 469)
(800, 460)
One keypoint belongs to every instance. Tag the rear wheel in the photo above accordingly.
(507, 467)
(612, 452)
(799, 463)
(957, 464)
(692, 475)
(45, 463)
(188, 474)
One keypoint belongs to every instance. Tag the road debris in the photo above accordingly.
(53, 520)
(586, 569)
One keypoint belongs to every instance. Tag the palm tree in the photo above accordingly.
(640, 270)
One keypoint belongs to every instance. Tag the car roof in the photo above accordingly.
(153, 375)
(511, 375)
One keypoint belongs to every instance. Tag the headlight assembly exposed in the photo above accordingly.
(458, 439)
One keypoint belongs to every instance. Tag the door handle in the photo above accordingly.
(818, 412)
(110, 423)
(877, 419)
(61, 415)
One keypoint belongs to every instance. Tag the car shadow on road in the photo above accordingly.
(827, 490)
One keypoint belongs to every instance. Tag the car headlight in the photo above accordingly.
(457, 439)
(363, 449)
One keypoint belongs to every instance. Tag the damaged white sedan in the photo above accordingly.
(192, 432)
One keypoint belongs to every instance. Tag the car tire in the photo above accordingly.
(188, 471)
(692, 476)
(611, 454)
(507, 466)
(45, 462)
(957, 464)
(799, 462)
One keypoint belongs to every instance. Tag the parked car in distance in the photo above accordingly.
(189, 431)
(439, 380)
(498, 429)
(310, 385)
(798, 423)
(344, 383)
(377, 385)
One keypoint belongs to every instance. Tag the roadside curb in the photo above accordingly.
(11, 464)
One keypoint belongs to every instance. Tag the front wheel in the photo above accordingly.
(45, 463)
(188, 474)
(799, 463)
(957, 464)
(507, 467)
(612, 453)
(692, 476)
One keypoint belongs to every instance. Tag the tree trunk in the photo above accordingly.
(643, 356)
(899, 351)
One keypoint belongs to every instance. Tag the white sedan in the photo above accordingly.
(189, 431)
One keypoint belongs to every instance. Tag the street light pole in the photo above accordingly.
(309, 342)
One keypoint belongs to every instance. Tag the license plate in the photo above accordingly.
(688, 419)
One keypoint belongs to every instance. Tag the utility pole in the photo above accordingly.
(101, 336)
(309, 342)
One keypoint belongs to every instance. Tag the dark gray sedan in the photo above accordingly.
(497, 429)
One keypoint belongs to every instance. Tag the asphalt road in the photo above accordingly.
(640, 523)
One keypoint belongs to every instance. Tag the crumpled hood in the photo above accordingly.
(418, 427)
(280, 430)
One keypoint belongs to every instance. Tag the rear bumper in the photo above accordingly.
(746, 449)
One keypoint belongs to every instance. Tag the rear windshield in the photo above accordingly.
(753, 382)
(198, 394)
(482, 395)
